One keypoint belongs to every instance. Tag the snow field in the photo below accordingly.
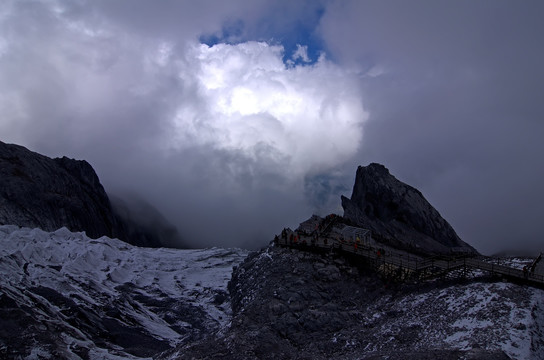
(96, 272)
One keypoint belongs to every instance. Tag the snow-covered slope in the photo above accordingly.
(486, 315)
(290, 303)
(66, 296)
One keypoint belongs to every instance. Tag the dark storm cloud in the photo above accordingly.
(455, 108)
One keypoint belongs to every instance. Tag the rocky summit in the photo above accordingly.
(398, 214)
(39, 192)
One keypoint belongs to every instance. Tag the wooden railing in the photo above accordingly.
(416, 265)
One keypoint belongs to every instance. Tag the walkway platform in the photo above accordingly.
(357, 241)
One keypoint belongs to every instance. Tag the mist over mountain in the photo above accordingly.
(72, 295)
(37, 191)
(216, 125)
(143, 224)
(214, 106)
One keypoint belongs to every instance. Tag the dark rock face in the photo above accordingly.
(288, 305)
(37, 191)
(398, 214)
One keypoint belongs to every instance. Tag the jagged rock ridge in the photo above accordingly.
(398, 214)
(37, 191)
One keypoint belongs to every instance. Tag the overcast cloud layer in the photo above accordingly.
(238, 118)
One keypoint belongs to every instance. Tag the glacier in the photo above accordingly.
(65, 295)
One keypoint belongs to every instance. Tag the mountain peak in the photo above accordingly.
(398, 214)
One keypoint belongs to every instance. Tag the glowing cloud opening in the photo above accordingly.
(309, 116)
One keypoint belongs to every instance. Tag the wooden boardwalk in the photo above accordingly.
(404, 265)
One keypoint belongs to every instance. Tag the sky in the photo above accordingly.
(238, 118)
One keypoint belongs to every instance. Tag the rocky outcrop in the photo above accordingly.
(398, 214)
(37, 191)
(292, 304)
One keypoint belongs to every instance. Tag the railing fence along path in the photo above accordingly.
(402, 264)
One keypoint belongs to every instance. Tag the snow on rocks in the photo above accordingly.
(491, 316)
(286, 306)
(63, 295)
(69, 296)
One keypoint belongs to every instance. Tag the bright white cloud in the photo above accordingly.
(308, 117)
(242, 99)
(229, 129)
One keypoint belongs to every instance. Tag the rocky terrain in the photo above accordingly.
(66, 294)
(37, 191)
(398, 214)
(292, 304)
